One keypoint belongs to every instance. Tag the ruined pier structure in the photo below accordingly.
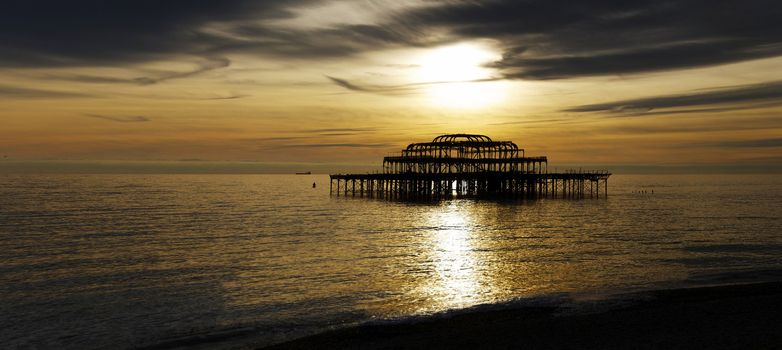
(466, 165)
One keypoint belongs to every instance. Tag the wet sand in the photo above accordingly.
(727, 317)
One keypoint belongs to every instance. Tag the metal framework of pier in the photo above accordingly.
(467, 165)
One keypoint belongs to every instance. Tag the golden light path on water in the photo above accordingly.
(459, 281)
(162, 256)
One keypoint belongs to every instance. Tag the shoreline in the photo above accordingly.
(721, 317)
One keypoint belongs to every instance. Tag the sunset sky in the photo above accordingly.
(326, 85)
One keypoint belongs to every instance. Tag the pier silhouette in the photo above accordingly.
(468, 165)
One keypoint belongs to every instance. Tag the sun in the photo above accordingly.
(456, 76)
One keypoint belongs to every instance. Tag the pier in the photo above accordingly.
(467, 165)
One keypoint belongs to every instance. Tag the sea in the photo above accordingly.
(244, 261)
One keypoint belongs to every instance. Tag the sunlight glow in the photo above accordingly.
(467, 95)
(459, 78)
(455, 263)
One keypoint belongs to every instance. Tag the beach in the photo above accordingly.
(743, 316)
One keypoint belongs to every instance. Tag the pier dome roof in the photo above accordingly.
(462, 137)
(480, 143)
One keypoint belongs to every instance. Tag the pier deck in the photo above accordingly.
(464, 165)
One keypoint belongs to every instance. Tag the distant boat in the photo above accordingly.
(307, 173)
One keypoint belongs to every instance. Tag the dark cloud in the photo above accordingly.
(260, 39)
(348, 85)
(628, 61)
(761, 143)
(712, 110)
(392, 90)
(339, 145)
(746, 94)
(541, 39)
(94, 32)
(398, 90)
(95, 79)
(230, 97)
(556, 39)
(15, 92)
(203, 66)
(211, 64)
(121, 119)
(274, 139)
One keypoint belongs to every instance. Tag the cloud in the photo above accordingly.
(559, 39)
(540, 39)
(121, 119)
(648, 112)
(348, 85)
(627, 61)
(210, 64)
(51, 33)
(338, 145)
(760, 143)
(537, 121)
(275, 139)
(680, 128)
(229, 97)
(392, 90)
(342, 130)
(746, 94)
(14, 92)
(204, 66)
(38, 33)
(564, 39)
(398, 90)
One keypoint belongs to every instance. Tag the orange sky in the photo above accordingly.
(347, 82)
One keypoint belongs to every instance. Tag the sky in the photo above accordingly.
(277, 86)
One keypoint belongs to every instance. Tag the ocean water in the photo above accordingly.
(125, 261)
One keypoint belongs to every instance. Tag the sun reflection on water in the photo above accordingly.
(458, 280)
